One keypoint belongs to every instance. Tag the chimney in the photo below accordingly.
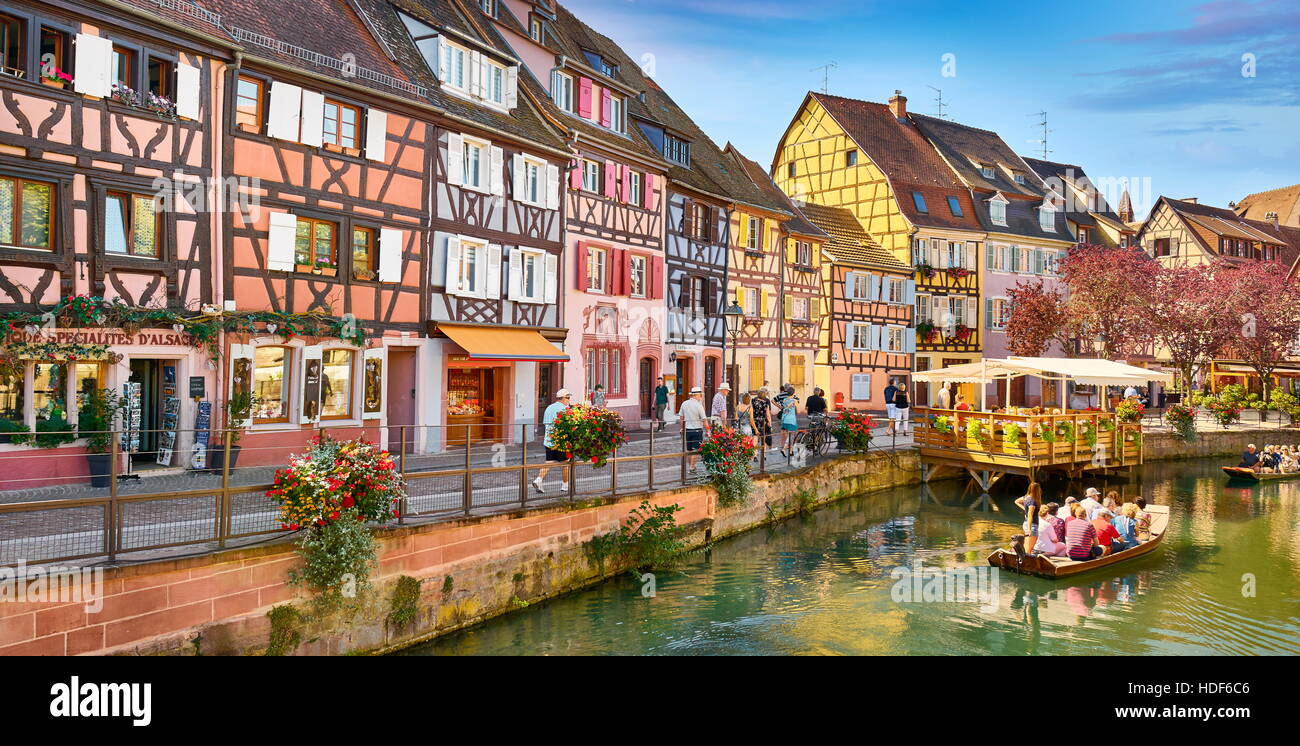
(1272, 218)
(898, 105)
(1192, 200)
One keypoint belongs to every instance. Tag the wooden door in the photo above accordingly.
(400, 407)
(647, 387)
(710, 379)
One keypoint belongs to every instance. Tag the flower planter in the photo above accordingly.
(217, 459)
(100, 467)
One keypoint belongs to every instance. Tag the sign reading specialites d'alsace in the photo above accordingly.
(145, 337)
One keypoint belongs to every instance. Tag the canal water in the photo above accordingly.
(1225, 581)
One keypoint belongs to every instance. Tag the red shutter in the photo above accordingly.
(611, 180)
(657, 278)
(581, 283)
(575, 177)
(627, 183)
(584, 98)
(620, 274)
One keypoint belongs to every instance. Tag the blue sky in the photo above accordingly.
(1146, 89)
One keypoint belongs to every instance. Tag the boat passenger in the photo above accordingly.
(1126, 525)
(1067, 510)
(1058, 523)
(1107, 536)
(1081, 537)
(1143, 519)
(1050, 542)
(1090, 502)
(1110, 503)
(1250, 459)
(1030, 503)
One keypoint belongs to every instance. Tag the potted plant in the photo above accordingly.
(852, 431)
(727, 455)
(925, 270)
(588, 433)
(925, 330)
(96, 415)
(239, 408)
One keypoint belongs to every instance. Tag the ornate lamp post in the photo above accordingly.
(735, 317)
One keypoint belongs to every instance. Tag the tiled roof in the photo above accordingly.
(1208, 223)
(908, 160)
(1053, 172)
(967, 148)
(1284, 201)
(848, 243)
(774, 197)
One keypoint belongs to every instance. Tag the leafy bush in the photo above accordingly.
(649, 539)
(50, 433)
(942, 424)
(1182, 419)
(96, 414)
(1130, 410)
(1012, 434)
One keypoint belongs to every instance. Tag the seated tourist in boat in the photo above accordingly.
(1066, 511)
(1111, 503)
(1050, 541)
(1053, 517)
(1107, 536)
(1126, 525)
(1090, 502)
(1143, 519)
(1030, 503)
(1081, 537)
(1250, 458)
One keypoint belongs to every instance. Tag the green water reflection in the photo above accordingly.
(820, 584)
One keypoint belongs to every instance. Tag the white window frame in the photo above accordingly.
(497, 80)
(922, 310)
(637, 182)
(638, 265)
(1001, 305)
(479, 248)
(562, 90)
(1047, 218)
(753, 302)
(483, 174)
(617, 112)
(539, 275)
(801, 309)
(858, 338)
(957, 310)
(533, 190)
(998, 212)
(858, 286)
(895, 339)
(897, 293)
(601, 268)
(452, 52)
(755, 234)
(591, 181)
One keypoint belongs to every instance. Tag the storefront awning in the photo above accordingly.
(496, 344)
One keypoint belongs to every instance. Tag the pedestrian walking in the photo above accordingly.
(694, 421)
(890, 391)
(762, 413)
(661, 403)
(789, 404)
(902, 409)
(718, 410)
(553, 456)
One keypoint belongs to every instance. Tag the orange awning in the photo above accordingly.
(497, 344)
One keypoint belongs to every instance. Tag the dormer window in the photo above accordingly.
(488, 6)
(998, 210)
(465, 72)
(453, 66)
(1047, 217)
(535, 29)
(987, 172)
(677, 150)
(1018, 177)
(562, 90)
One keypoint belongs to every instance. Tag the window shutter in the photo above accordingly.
(909, 292)
(649, 191)
(873, 287)
(512, 86)
(611, 180)
(606, 103)
(452, 279)
(939, 310)
(188, 91)
(627, 184)
(850, 286)
(518, 182)
(496, 179)
(442, 60)
(238, 353)
(515, 278)
(788, 307)
(377, 135)
(988, 313)
(619, 277)
(390, 255)
(972, 312)
(552, 186)
(742, 235)
(455, 159)
(815, 310)
(584, 98)
(763, 304)
(372, 408)
(989, 255)
(93, 71)
(312, 120)
(687, 214)
(972, 255)
(286, 111)
(581, 278)
(874, 337)
(492, 286)
(552, 277)
(476, 70)
(309, 411)
(657, 278)
(280, 241)
(575, 177)
(936, 254)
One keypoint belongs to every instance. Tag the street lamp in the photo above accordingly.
(735, 317)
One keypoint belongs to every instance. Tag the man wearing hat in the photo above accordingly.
(560, 404)
(719, 408)
(1066, 511)
(1090, 502)
(693, 423)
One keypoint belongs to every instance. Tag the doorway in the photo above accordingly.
(143, 418)
(400, 409)
(710, 378)
(647, 386)
(545, 392)
(684, 378)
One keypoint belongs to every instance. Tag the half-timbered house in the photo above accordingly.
(866, 331)
(108, 190)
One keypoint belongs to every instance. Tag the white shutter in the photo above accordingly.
(286, 111)
(518, 187)
(374, 353)
(909, 342)
(455, 159)
(377, 135)
(313, 119)
(937, 249)
(496, 179)
(452, 276)
(476, 70)
(515, 283)
(552, 277)
(861, 387)
(281, 238)
(972, 312)
(939, 310)
(492, 289)
(874, 337)
(390, 255)
(442, 60)
(188, 91)
(481, 269)
(552, 186)
(972, 255)
(240, 352)
(93, 75)
(309, 353)
(849, 286)
(512, 86)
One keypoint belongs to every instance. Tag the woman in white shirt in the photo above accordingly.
(1048, 542)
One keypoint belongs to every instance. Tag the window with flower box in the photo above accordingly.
(365, 257)
(55, 57)
(314, 246)
(132, 225)
(161, 74)
(26, 213)
(12, 48)
(123, 70)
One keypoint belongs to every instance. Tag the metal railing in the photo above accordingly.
(155, 512)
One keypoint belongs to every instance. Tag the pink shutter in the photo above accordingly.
(656, 278)
(584, 98)
(606, 101)
(575, 177)
(611, 180)
(627, 183)
(649, 191)
(581, 282)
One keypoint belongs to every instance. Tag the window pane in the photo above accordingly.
(270, 383)
(36, 215)
(361, 253)
(49, 389)
(114, 225)
(324, 243)
(11, 398)
(144, 240)
(302, 243)
(86, 378)
(336, 384)
(6, 211)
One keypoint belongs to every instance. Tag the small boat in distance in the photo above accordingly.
(1064, 567)
(1243, 474)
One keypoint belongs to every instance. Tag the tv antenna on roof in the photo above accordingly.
(826, 74)
(1046, 131)
(939, 100)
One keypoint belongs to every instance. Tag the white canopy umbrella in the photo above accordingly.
(1087, 371)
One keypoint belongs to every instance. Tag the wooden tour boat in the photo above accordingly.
(1063, 567)
(1242, 474)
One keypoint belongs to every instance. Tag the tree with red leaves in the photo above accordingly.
(1038, 319)
(1191, 316)
(1266, 304)
(1108, 296)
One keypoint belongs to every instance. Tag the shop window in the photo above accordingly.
(131, 225)
(49, 391)
(314, 245)
(12, 400)
(11, 46)
(248, 103)
(56, 67)
(340, 124)
(26, 213)
(271, 384)
(87, 378)
(336, 385)
(364, 262)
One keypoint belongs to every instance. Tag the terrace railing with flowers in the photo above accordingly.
(1020, 437)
